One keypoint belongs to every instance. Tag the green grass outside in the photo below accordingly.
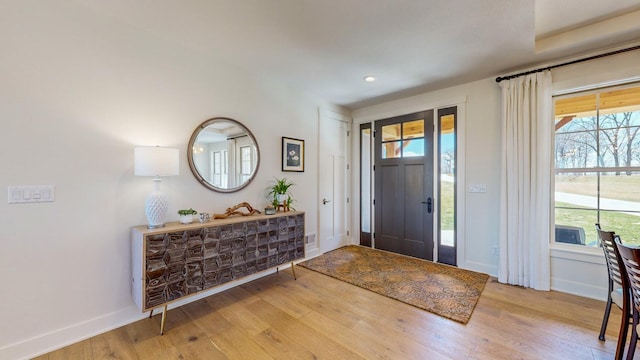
(446, 206)
(619, 187)
(625, 225)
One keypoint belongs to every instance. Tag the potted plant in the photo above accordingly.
(280, 190)
(186, 215)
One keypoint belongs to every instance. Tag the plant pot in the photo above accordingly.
(281, 198)
(186, 219)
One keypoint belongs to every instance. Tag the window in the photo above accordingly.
(597, 165)
(403, 140)
(366, 139)
(447, 196)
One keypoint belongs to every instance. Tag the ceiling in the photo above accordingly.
(327, 47)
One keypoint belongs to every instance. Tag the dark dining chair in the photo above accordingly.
(631, 259)
(619, 293)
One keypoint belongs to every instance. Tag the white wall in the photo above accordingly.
(575, 270)
(78, 91)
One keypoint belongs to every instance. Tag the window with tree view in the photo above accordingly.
(597, 165)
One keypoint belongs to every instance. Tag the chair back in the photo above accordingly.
(630, 257)
(615, 266)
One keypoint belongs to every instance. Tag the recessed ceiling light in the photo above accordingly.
(369, 78)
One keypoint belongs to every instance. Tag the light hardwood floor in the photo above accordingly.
(317, 317)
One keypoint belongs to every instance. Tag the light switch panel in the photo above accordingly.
(30, 194)
(478, 188)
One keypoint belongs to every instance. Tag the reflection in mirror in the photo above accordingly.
(223, 155)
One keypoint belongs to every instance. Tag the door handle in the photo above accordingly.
(429, 203)
(325, 201)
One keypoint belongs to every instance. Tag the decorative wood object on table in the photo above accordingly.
(179, 260)
(234, 211)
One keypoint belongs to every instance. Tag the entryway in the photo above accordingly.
(414, 184)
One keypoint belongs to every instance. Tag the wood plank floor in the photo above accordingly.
(317, 317)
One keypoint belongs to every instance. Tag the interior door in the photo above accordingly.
(403, 201)
(332, 194)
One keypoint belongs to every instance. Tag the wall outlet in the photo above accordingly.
(495, 250)
(310, 239)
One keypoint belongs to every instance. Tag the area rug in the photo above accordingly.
(441, 289)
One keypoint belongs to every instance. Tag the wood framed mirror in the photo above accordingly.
(223, 155)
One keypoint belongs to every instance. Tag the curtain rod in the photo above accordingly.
(508, 77)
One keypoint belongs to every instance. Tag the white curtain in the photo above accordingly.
(525, 205)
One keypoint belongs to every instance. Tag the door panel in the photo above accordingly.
(403, 184)
(388, 227)
(414, 210)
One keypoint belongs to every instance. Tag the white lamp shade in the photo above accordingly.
(156, 161)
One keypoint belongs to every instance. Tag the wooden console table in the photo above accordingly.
(178, 260)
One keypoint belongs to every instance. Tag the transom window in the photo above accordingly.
(403, 140)
(597, 165)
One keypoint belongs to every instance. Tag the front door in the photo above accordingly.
(403, 200)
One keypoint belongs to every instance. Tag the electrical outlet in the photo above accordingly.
(495, 250)
(310, 239)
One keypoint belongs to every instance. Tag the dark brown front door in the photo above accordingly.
(403, 200)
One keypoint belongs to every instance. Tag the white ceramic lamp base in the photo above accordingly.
(156, 207)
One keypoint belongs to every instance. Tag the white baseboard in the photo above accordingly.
(480, 267)
(310, 253)
(580, 289)
(72, 334)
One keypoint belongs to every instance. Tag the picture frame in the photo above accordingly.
(292, 154)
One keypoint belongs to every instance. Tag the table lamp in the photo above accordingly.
(156, 161)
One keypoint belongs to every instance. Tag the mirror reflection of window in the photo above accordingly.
(245, 163)
(223, 154)
(219, 174)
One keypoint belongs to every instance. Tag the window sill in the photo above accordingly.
(577, 253)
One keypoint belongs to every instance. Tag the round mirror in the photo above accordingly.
(223, 155)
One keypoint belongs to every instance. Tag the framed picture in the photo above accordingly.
(292, 154)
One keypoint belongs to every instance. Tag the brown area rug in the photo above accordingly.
(441, 289)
